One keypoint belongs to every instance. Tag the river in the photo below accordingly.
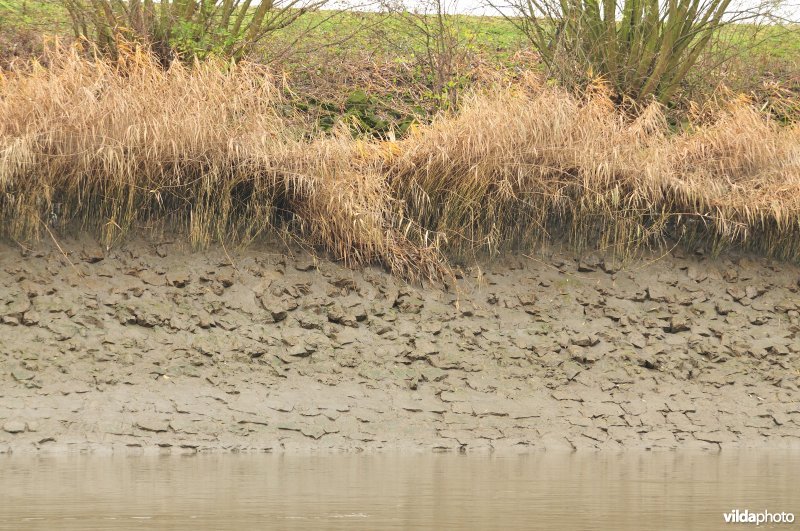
(546, 490)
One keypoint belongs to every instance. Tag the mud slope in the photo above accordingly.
(153, 348)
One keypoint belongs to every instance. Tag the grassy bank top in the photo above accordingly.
(214, 152)
(380, 72)
(399, 138)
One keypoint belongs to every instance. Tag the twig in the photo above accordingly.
(64, 254)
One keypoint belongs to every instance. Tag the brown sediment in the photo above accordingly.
(153, 348)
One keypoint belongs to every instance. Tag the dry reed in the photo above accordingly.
(209, 150)
(520, 167)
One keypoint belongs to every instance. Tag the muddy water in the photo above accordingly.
(636, 490)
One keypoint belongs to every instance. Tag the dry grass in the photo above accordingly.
(204, 150)
(529, 164)
(210, 151)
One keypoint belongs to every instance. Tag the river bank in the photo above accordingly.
(152, 348)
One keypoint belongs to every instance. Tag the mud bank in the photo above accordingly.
(152, 348)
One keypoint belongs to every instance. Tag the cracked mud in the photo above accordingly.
(152, 348)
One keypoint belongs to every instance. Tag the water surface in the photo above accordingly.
(538, 491)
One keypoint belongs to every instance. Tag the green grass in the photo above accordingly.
(773, 41)
(392, 32)
(355, 30)
(44, 15)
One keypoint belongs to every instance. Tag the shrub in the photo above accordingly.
(192, 28)
(443, 46)
(643, 48)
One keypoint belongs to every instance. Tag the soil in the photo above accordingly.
(153, 348)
